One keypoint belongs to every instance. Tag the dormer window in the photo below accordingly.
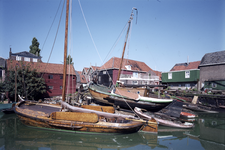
(18, 58)
(128, 67)
(26, 59)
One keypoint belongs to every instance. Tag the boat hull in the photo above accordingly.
(123, 102)
(164, 122)
(39, 116)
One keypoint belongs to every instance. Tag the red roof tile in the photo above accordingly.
(185, 66)
(95, 67)
(82, 77)
(42, 67)
(135, 65)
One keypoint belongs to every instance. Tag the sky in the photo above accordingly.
(163, 33)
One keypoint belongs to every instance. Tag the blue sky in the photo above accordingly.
(167, 31)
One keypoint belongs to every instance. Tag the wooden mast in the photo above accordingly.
(65, 52)
(124, 47)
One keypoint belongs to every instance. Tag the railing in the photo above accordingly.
(145, 77)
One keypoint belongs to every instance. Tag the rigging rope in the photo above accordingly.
(52, 45)
(131, 18)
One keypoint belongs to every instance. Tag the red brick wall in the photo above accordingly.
(56, 82)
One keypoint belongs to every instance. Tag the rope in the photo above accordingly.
(52, 45)
(98, 51)
(51, 25)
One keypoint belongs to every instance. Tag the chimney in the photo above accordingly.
(10, 52)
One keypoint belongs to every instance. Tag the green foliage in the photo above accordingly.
(2, 85)
(194, 89)
(69, 60)
(29, 82)
(34, 48)
(168, 88)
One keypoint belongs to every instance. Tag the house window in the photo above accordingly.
(50, 77)
(18, 58)
(50, 87)
(170, 75)
(61, 77)
(34, 60)
(26, 59)
(187, 74)
(135, 74)
(128, 67)
(214, 85)
(187, 86)
(61, 87)
(135, 82)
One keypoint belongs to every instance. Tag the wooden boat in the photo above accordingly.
(187, 115)
(55, 117)
(51, 117)
(105, 95)
(164, 121)
(8, 110)
(122, 98)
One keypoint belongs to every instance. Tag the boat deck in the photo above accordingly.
(48, 109)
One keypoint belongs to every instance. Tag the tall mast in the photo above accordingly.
(124, 47)
(65, 52)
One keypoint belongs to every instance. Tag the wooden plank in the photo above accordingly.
(75, 116)
(127, 94)
(108, 109)
(151, 126)
(195, 99)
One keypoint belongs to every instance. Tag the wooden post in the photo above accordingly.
(124, 47)
(16, 84)
(65, 52)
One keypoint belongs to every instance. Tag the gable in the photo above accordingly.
(186, 66)
(114, 63)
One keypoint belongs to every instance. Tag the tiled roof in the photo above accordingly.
(25, 54)
(42, 67)
(85, 69)
(95, 67)
(114, 63)
(82, 78)
(186, 66)
(213, 58)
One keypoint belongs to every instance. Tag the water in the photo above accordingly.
(208, 134)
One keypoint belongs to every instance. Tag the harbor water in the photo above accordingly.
(208, 134)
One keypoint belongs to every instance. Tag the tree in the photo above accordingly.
(30, 84)
(69, 60)
(34, 48)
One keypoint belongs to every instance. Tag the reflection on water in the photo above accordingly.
(207, 134)
(210, 131)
